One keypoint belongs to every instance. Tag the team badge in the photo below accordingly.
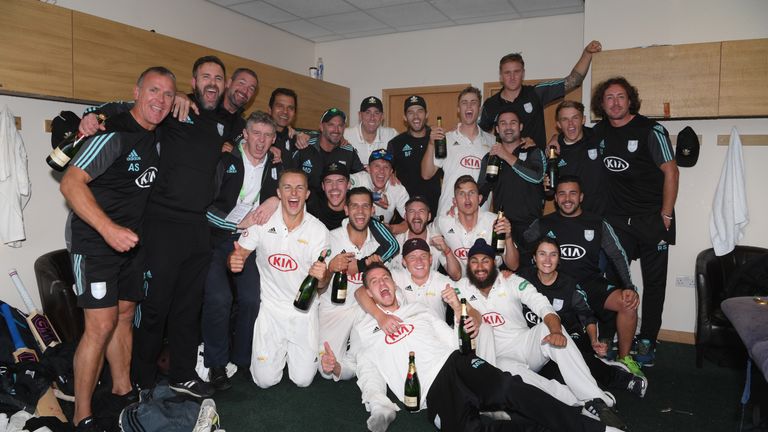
(632, 146)
(523, 156)
(372, 100)
(220, 128)
(557, 304)
(528, 107)
(592, 153)
(589, 235)
(413, 99)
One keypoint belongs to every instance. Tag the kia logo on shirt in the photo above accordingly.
(146, 178)
(493, 319)
(615, 164)
(282, 262)
(572, 252)
(461, 253)
(356, 278)
(400, 334)
(471, 162)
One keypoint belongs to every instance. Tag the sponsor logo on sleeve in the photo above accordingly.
(400, 334)
(523, 285)
(282, 262)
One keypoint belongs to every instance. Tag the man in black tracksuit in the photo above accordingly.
(248, 180)
(642, 180)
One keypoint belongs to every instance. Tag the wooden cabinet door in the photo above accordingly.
(441, 101)
(743, 91)
(36, 49)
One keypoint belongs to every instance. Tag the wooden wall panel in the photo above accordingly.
(109, 56)
(35, 48)
(743, 90)
(441, 101)
(686, 77)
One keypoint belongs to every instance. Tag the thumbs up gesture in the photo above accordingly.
(328, 361)
(236, 258)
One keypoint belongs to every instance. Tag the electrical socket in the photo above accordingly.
(685, 282)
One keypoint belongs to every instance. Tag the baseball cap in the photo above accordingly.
(62, 126)
(371, 101)
(380, 154)
(415, 244)
(335, 168)
(687, 148)
(331, 113)
(481, 247)
(414, 100)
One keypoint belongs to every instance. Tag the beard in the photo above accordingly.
(199, 94)
(488, 282)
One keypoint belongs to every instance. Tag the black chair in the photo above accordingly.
(54, 282)
(716, 339)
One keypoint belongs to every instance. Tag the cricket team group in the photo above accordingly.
(192, 224)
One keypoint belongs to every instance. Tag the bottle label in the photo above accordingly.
(500, 244)
(59, 157)
(341, 294)
(492, 170)
(298, 296)
(411, 401)
(473, 344)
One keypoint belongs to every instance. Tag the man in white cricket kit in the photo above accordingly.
(454, 387)
(288, 246)
(471, 223)
(349, 243)
(523, 351)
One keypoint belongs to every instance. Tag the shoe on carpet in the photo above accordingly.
(89, 424)
(631, 366)
(638, 385)
(219, 379)
(599, 410)
(646, 353)
(196, 388)
(208, 418)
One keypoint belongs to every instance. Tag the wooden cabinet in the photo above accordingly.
(684, 77)
(743, 89)
(35, 49)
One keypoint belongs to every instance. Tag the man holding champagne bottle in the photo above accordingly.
(288, 246)
(107, 187)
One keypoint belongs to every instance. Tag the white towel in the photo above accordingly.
(730, 214)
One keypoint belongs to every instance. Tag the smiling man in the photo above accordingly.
(288, 245)
(369, 135)
(388, 197)
(107, 187)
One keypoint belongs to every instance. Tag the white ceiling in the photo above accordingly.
(329, 20)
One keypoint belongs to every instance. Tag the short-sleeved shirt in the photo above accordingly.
(354, 135)
(407, 152)
(464, 158)
(529, 105)
(397, 196)
(581, 159)
(123, 164)
(460, 240)
(284, 257)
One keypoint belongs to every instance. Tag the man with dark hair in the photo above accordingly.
(408, 150)
(283, 103)
(369, 135)
(326, 149)
(517, 189)
(248, 180)
(455, 388)
(466, 146)
(642, 180)
(388, 197)
(529, 101)
(107, 187)
(582, 236)
(579, 155)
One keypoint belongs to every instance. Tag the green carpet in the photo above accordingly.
(711, 396)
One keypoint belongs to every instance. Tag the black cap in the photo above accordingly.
(62, 126)
(481, 247)
(415, 244)
(687, 148)
(335, 168)
(414, 100)
(371, 101)
(508, 108)
(380, 154)
(331, 113)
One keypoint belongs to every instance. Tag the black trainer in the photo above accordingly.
(219, 379)
(196, 388)
(89, 424)
(598, 409)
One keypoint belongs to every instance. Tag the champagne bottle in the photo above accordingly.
(492, 170)
(412, 396)
(339, 287)
(466, 343)
(307, 289)
(553, 171)
(60, 156)
(497, 240)
(441, 146)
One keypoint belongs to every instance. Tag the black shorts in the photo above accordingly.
(598, 290)
(102, 280)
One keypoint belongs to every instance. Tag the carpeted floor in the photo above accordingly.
(680, 398)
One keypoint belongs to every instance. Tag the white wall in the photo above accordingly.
(461, 54)
(624, 24)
